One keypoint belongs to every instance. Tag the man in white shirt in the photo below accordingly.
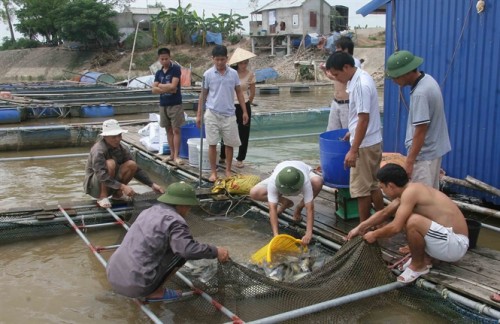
(365, 134)
(290, 178)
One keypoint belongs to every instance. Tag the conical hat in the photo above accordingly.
(240, 55)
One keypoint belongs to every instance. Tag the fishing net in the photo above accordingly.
(356, 267)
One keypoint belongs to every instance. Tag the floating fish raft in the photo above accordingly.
(20, 102)
(470, 281)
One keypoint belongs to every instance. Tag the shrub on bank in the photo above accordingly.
(8, 44)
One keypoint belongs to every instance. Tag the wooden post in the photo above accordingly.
(253, 44)
(272, 45)
(482, 185)
(288, 45)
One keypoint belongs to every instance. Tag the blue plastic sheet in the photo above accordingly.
(214, 38)
(265, 74)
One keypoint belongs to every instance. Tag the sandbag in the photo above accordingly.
(239, 184)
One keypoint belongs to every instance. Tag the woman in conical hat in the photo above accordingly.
(239, 61)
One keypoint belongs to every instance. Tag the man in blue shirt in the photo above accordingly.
(167, 85)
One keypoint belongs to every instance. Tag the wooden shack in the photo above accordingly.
(282, 21)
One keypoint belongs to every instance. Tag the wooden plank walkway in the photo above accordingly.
(477, 275)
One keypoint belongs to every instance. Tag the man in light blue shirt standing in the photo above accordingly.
(221, 82)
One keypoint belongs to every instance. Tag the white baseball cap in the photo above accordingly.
(111, 127)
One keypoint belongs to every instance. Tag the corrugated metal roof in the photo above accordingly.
(461, 50)
(280, 4)
(144, 11)
(371, 7)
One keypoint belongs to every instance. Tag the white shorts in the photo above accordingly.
(217, 126)
(442, 244)
(427, 172)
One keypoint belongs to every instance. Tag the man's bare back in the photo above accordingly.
(434, 205)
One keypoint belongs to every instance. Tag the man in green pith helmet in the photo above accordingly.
(427, 139)
(157, 244)
(290, 178)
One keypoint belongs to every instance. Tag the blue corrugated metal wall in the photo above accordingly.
(461, 50)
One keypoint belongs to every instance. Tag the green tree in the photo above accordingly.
(38, 18)
(88, 22)
(7, 14)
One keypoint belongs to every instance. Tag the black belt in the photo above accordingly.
(340, 102)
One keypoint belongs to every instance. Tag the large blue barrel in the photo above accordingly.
(332, 151)
(10, 115)
(188, 131)
(93, 111)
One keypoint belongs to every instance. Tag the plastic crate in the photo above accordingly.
(347, 207)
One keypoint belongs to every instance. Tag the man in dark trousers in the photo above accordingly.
(157, 244)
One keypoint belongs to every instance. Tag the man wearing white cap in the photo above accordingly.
(110, 168)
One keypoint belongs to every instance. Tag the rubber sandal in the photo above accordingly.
(104, 203)
(179, 161)
(168, 295)
(407, 264)
(495, 297)
(239, 164)
(409, 275)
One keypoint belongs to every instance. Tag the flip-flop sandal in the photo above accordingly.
(495, 297)
(104, 203)
(407, 264)
(168, 295)
(409, 275)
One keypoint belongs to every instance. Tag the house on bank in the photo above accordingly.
(281, 22)
(461, 50)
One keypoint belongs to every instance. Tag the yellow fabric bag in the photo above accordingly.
(239, 184)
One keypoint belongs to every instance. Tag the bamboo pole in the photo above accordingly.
(459, 182)
(482, 185)
(216, 304)
(477, 209)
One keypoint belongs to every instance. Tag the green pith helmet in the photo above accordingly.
(179, 193)
(400, 63)
(289, 180)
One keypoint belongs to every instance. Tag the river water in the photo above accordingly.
(57, 280)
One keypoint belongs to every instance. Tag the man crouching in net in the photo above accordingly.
(157, 244)
(435, 226)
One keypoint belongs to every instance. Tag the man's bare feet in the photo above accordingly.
(297, 214)
(213, 177)
(228, 174)
(404, 249)
(284, 203)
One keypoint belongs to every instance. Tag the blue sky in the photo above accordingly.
(242, 7)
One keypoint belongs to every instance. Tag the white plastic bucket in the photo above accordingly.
(194, 153)
(194, 158)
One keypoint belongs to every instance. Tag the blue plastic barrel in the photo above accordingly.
(332, 151)
(93, 111)
(188, 131)
(10, 115)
